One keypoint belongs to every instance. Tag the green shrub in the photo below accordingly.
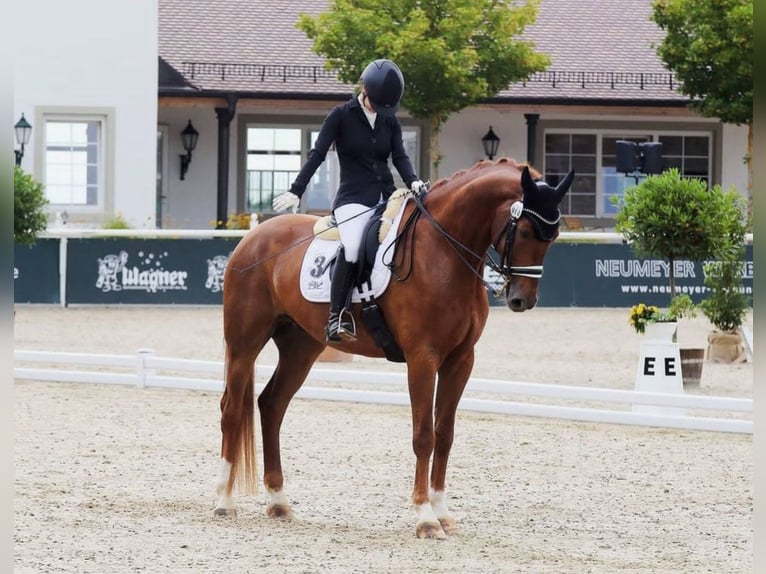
(29, 217)
(726, 305)
(671, 217)
(117, 222)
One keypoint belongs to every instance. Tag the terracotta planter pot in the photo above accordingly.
(726, 347)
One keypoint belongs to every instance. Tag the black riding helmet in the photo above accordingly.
(384, 84)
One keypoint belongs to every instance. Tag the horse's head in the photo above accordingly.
(532, 225)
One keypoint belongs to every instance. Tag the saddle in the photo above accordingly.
(371, 280)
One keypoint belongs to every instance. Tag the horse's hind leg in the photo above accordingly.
(453, 376)
(297, 354)
(237, 422)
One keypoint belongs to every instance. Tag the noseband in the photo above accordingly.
(505, 269)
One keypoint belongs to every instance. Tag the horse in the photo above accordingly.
(435, 313)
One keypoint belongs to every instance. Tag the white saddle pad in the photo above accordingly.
(315, 269)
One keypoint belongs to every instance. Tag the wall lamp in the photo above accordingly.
(189, 139)
(490, 141)
(23, 131)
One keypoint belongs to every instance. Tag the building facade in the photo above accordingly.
(245, 78)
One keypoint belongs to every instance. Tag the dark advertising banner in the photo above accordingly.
(189, 271)
(36, 272)
(610, 275)
(147, 271)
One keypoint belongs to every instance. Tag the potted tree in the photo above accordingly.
(725, 308)
(671, 217)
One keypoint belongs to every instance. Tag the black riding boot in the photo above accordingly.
(340, 324)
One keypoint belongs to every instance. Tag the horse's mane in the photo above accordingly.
(486, 165)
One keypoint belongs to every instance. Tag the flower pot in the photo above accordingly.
(726, 347)
(665, 332)
(691, 366)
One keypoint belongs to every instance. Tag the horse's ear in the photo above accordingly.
(527, 183)
(564, 185)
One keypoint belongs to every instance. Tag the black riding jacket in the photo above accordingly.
(362, 153)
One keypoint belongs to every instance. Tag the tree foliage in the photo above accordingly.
(709, 46)
(453, 53)
(726, 305)
(29, 218)
(672, 217)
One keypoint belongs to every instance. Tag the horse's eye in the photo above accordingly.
(524, 234)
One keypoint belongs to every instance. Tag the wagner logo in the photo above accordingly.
(148, 274)
(215, 268)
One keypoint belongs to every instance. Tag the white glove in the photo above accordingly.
(285, 201)
(417, 188)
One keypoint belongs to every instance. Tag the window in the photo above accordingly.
(564, 152)
(273, 161)
(74, 162)
(593, 157)
(690, 154)
(275, 156)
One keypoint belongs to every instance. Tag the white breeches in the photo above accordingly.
(351, 219)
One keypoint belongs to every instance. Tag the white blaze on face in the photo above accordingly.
(225, 500)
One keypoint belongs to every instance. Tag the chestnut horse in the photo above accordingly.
(436, 314)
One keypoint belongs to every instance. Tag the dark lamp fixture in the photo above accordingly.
(23, 131)
(640, 159)
(189, 139)
(490, 141)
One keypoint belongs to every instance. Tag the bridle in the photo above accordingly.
(504, 268)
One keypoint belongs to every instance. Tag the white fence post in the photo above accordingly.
(142, 371)
(62, 270)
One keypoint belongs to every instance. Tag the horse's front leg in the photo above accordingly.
(453, 377)
(421, 380)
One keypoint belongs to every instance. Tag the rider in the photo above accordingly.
(366, 133)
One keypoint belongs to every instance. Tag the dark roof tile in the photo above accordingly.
(581, 36)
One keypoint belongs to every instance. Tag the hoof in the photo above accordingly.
(430, 530)
(449, 525)
(225, 512)
(279, 511)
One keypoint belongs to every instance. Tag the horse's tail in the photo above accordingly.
(238, 414)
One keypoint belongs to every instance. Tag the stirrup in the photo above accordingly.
(346, 329)
(340, 328)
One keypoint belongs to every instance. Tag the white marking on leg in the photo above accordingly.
(225, 499)
(439, 504)
(278, 498)
(426, 514)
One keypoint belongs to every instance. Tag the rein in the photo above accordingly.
(293, 245)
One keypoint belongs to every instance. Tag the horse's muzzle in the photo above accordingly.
(519, 304)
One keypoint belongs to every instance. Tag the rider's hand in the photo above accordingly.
(287, 200)
(417, 188)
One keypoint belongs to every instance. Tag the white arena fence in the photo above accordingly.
(145, 369)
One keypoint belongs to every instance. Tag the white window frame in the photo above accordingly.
(600, 133)
(104, 206)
